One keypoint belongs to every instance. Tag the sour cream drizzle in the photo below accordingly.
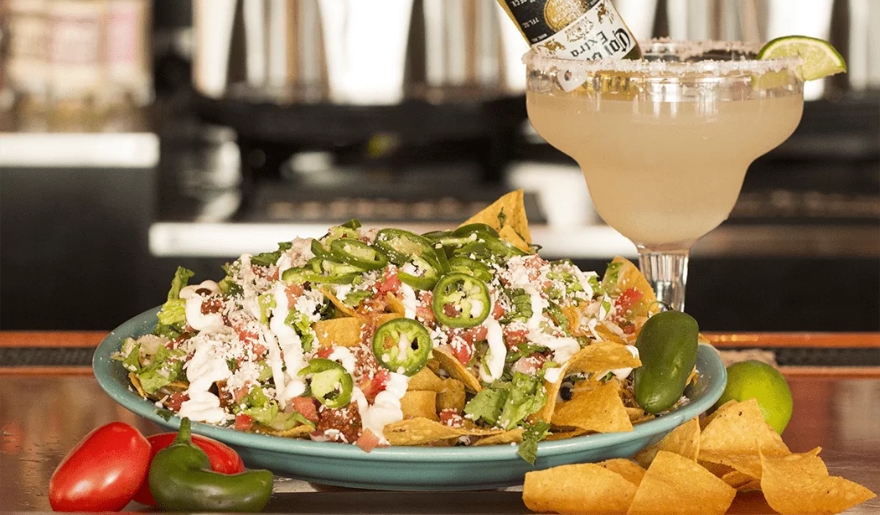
(385, 409)
(209, 322)
(290, 345)
(203, 370)
(493, 366)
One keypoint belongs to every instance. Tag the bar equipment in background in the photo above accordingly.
(77, 65)
(376, 82)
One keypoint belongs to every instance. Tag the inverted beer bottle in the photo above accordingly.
(573, 29)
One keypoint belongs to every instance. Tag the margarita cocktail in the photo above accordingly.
(664, 142)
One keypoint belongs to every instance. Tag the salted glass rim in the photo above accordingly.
(538, 59)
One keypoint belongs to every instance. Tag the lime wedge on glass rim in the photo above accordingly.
(820, 58)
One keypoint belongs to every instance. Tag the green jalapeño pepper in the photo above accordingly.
(357, 253)
(667, 344)
(461, 300)
(451, 240)
(322, 271)
(181, 480)
(401, 245)
(402, 345)
(471, 267)
(331, 384)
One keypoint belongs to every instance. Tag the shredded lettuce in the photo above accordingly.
(302, 324)
(506, 404)
(487, 404)
(166, 367)
(270, 258)
(131, 355)
(172, 316)
(522, 306)
(533, 433)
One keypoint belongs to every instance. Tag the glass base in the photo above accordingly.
(667, 272)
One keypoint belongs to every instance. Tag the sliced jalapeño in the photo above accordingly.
(357, 253)
(330, 383)
(461, 300)
(402, 345)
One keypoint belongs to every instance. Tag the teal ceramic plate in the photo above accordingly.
(407, 468)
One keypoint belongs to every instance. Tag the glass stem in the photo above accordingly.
(667, 273)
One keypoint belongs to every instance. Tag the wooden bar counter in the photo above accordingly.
(46, 410)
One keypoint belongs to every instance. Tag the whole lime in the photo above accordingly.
(757, 380)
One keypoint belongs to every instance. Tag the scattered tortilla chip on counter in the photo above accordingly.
(684, 440)
(698, 468)
(585, 488)
(675, 484)
(799, 483)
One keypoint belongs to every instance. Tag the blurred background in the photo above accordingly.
(139, 135)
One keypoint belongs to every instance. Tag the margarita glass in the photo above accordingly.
(664, 142)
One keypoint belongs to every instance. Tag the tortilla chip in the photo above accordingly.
(418, 431)
(426, 379)
(583, 488)
(747, 464)
(675, 484)
(421, 431)
(508, 211)
(799, 483)
(419, 403)
(739, 427)
(565, 435)
(638, 415)
(507, 437)
(737, 479)
(300, 431)
(136, 382)
(596, 358)
(600, 410)
(456, 370)
(630, 470)
(453, 396)
(336, 301)
(344, 332)
(508, 234)
(395, 304)
(601, 357)
(684, 440)
(629, 276)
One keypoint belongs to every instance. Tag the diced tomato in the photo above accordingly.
(514, 335)
(324, 352)
(497, 311)
(462, 350)
(624, 303)
(368, 441)
(450, 417)
(390, 283)
(475, 334)
(305, 406)
(372, 386)
(424, 311)
(243, 422)
(294, 291)
(175, 400)
(533, 265)
(529, 364)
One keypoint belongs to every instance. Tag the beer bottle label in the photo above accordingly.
(573, 29)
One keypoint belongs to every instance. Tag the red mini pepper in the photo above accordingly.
(102, 472)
